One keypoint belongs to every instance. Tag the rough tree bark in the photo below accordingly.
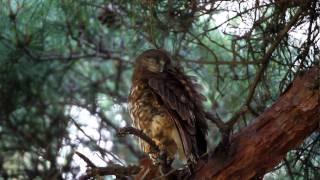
(258, 148)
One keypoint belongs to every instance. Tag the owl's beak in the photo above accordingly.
(162, 63)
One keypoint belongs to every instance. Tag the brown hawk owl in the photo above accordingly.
(165, 104)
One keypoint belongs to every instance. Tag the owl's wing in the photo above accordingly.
(179, 94)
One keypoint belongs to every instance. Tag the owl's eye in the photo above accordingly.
(151, 60)
(155, 61)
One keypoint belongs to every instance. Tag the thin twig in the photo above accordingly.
(214, 118)
(85, 159)
(231, 63)
(244, 109)
(289, 170)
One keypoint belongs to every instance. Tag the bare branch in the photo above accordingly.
(113, 169)
(85, 159)
(139, 133)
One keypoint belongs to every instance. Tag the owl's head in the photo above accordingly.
(153, 60)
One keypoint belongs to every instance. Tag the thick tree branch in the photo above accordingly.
(264, 61)
(256, 149)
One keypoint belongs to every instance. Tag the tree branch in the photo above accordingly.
(264, 61)
(113, 169)
(256, 149)
(164, 165)
(139, 133)
(85, 159)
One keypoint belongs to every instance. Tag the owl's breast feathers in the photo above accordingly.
(149, 115)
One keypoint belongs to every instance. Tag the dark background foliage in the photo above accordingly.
(65, 73)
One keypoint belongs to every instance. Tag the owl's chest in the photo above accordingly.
(146, 109)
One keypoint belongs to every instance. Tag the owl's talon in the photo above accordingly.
(164, 162)
(154, 158)
(161, 159)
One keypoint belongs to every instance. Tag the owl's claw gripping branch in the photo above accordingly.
(161, 159)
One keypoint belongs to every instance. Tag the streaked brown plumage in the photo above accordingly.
(165, 104)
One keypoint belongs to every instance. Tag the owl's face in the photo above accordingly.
(153, 64)
(153, 60)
